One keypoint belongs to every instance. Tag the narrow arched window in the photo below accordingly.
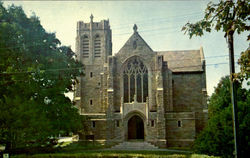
(135, 81)
(97, 46)
(85, 46)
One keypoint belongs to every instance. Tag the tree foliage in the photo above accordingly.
(217, 137)
(244, 62)
(35, 73)
(229, 16)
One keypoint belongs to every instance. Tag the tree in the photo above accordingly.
(35, 73)
(217, 137)
(230, 17)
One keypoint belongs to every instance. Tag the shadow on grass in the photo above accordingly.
(85, 149)
(81, 146)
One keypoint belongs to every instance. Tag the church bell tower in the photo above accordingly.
(93, 46)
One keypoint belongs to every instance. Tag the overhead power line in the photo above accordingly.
(81, 68)
(47, 70)
(150, 21)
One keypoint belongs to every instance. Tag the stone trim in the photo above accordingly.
(98, 119)
(110, 90)
(180, 115)
(205, 110)
(77, 98)
(187, 72)
(160, 89)
(93, 114)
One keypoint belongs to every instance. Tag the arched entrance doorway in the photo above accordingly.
(135, 128)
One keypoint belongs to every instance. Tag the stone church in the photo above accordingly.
(138, 94)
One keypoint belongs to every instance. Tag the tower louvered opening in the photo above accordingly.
(97, 46)
(85, 47)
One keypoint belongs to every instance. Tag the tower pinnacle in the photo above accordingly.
(135, 28)
(91, 18)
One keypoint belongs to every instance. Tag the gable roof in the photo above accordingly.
(184, 60)
(135, 41)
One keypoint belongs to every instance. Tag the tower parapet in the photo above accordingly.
(93, 41)
(83, 26)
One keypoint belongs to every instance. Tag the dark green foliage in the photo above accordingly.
(244, 63)
(35, 73)
(217, 138)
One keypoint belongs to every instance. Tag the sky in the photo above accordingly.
(159, 23)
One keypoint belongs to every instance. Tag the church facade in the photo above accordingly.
(138, 93)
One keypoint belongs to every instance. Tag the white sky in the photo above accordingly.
(159, 23)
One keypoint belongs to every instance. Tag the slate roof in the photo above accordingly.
(184, 60)
(139, 41)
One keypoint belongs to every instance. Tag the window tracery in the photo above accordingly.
(135, 81)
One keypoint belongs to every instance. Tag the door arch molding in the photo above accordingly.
(135, 128)
(131, 115)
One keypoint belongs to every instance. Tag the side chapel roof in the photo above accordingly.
(184, 60)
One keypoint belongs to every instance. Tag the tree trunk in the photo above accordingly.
(233, 94)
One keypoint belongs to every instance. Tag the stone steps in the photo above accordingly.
(134, 146)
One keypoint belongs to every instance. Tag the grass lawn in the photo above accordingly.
(116, 154)
(92, 150)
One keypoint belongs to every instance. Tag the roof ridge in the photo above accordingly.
(179, 50)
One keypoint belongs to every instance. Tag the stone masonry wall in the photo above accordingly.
(95, 127)
(180, 128)
(91, 90)
(187, 92)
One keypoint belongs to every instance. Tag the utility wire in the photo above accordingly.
(48, 70)
(80, 68)
(169, 18)
(143, 31)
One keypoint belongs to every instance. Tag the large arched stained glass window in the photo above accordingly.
(135, 81)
